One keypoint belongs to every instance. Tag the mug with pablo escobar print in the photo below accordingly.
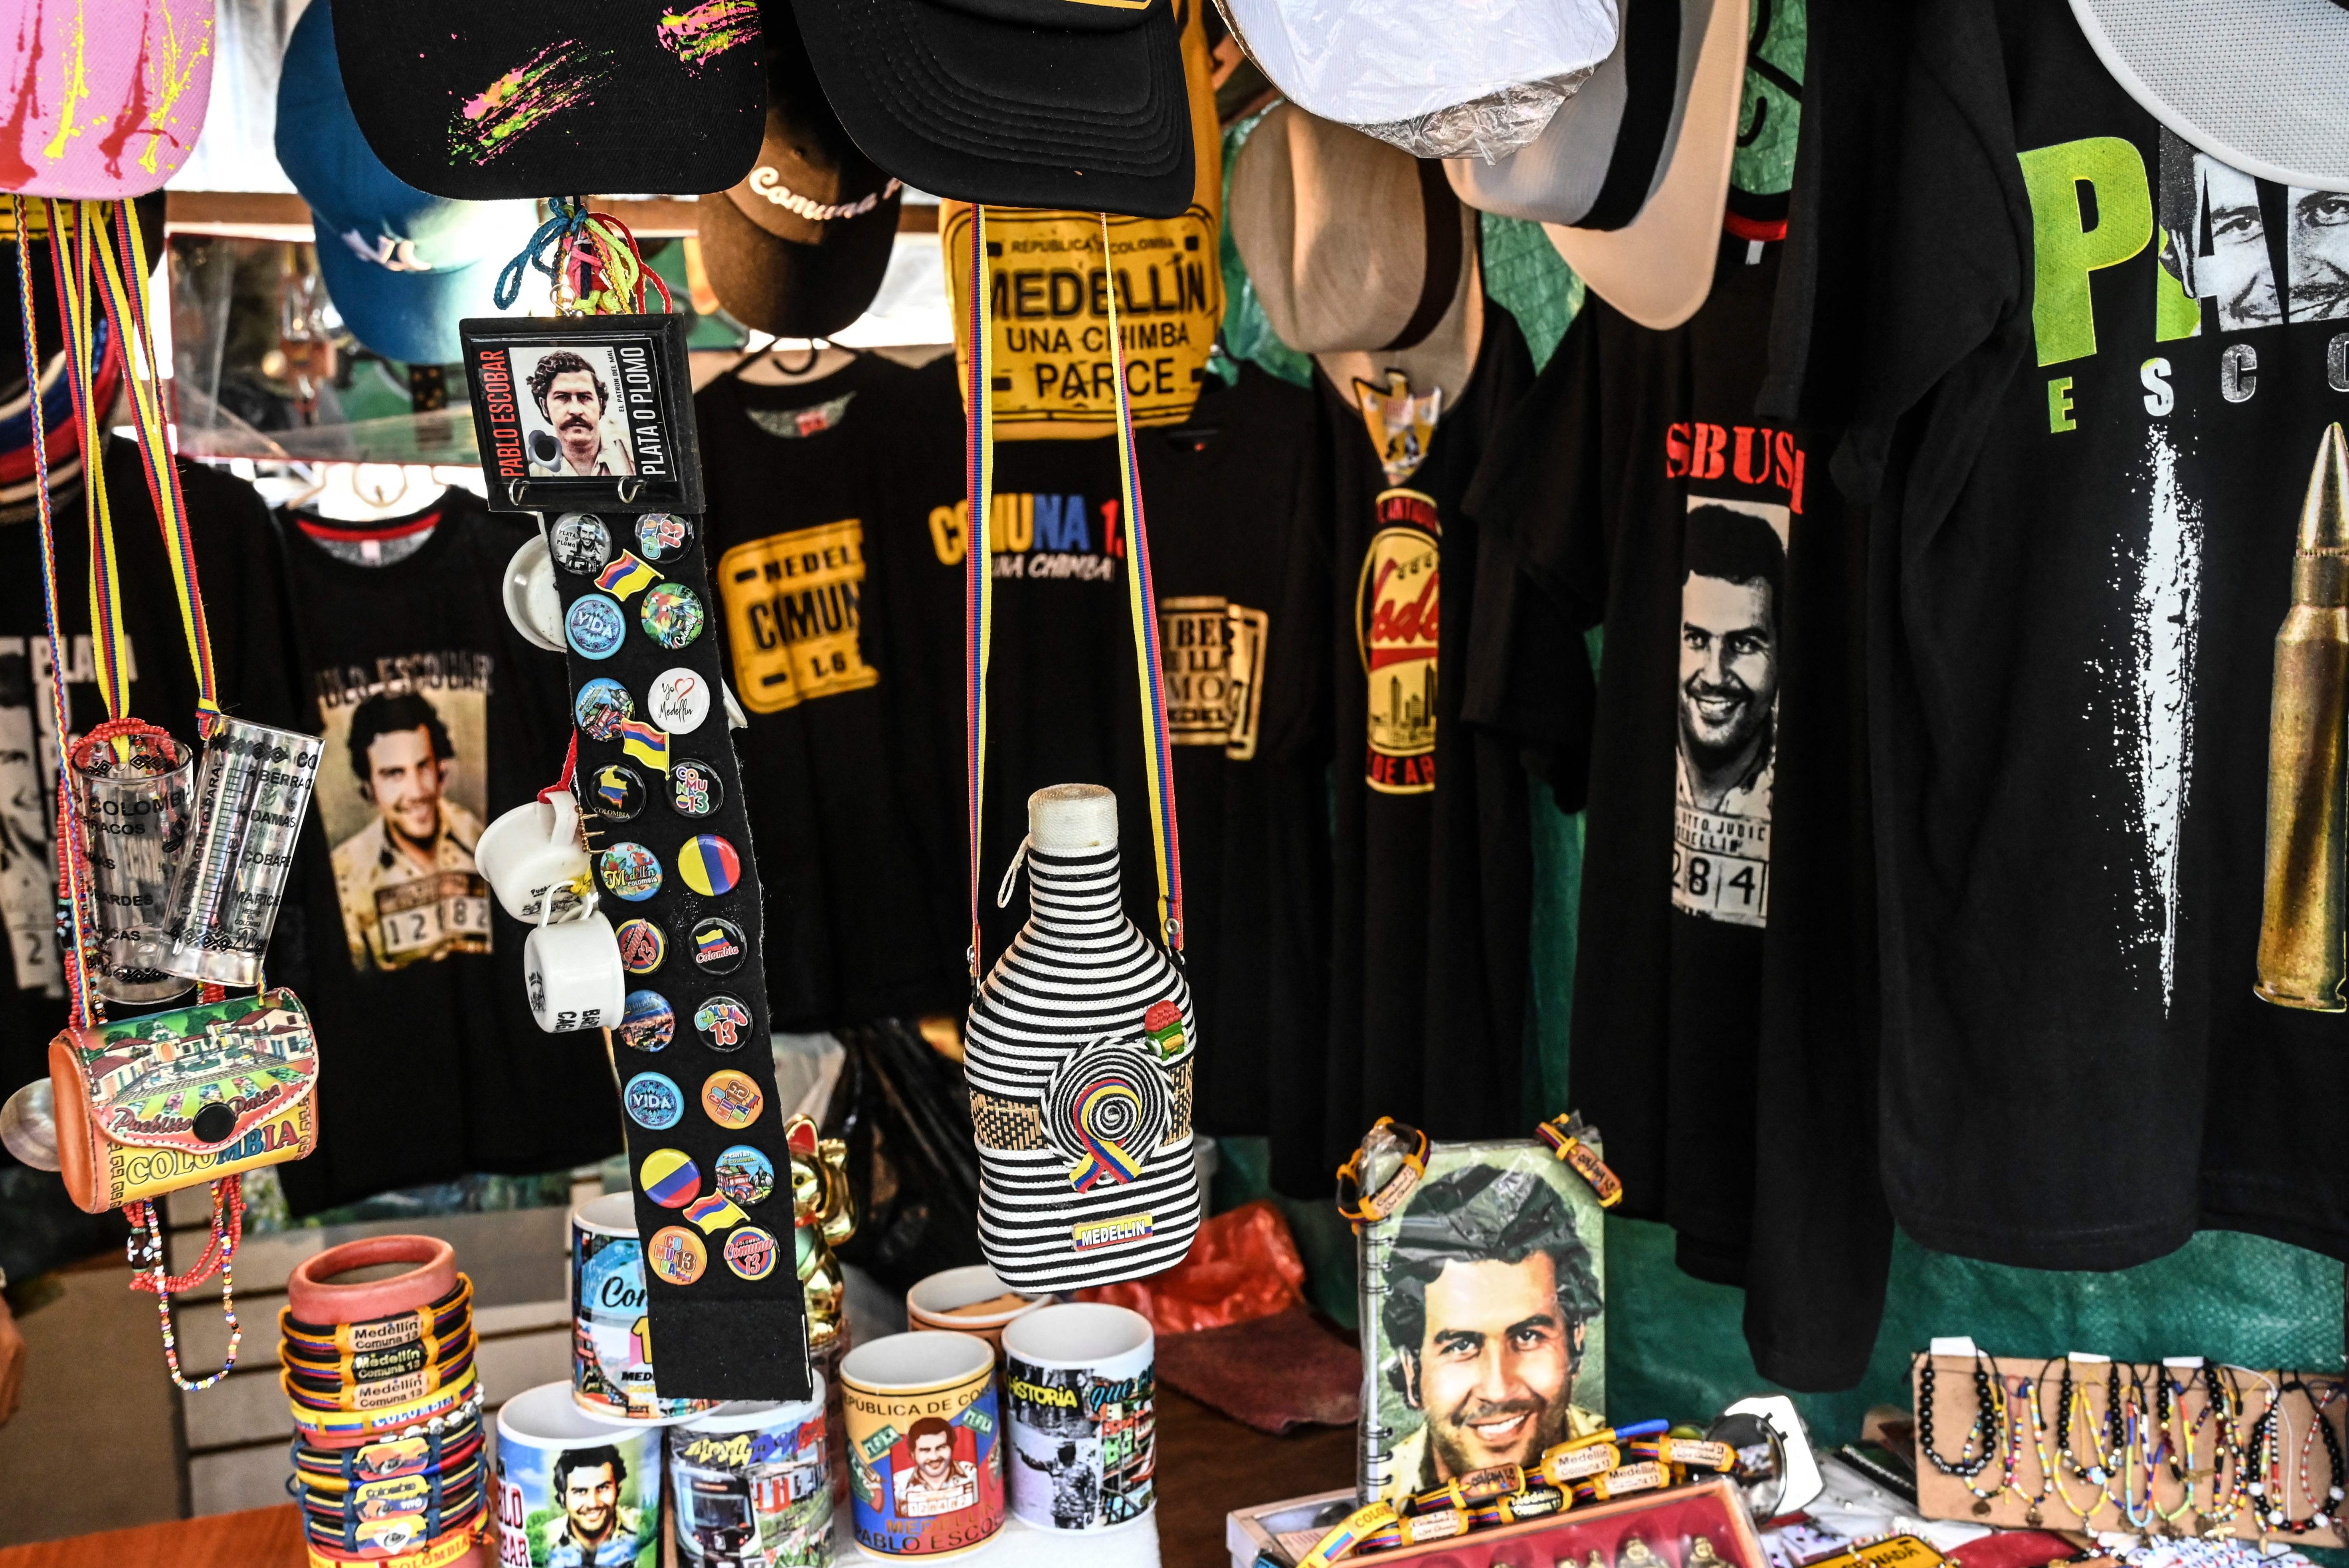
(924, 1458)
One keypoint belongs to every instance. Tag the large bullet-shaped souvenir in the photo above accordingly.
(2306, 918)
(1080, 1060)
(587, 423)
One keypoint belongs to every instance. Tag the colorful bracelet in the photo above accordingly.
(1417, 1530)
(312, 1299)
(435, 1553)
(1645, 1476)
(349, 1428)
(1494, 1480)
(390, 1533)
(432, 1485)
(369, 1365)
(1368, 1209)
(389, 1457)
(377, 1393)
(325, 1341)
(1348, 1534)
(1534, 1502)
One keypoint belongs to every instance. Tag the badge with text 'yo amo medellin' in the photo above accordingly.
(1055, 367)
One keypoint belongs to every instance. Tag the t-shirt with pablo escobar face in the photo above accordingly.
(2103, 368)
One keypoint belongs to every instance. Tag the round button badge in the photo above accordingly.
(671, 614)
(695, 789)
(602, 706)
(594, 625)
(718, 946)
(642, 946)
(724, 1022)
(663, 536)
(677, 1255)
(616, 792)
(647, 1022)
(630, 871)
(670, 1177)
(733, 1099)
(678, 701)
(745, 1174)
(653, 1100)
(579, 543)
(709, 864)
(751, 1252)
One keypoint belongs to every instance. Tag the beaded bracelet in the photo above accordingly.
(1969, 1463)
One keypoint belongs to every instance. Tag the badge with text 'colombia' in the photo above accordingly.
(586, 424)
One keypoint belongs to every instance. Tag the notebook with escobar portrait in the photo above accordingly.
(1483, 1272)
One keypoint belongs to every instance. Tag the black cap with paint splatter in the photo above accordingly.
(484, 100)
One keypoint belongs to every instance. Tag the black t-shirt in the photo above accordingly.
(1225, 494)
(1431, 865)
(436, 718)
(237, 568)
(2104, 362)
(819, 550)
(1725, 980)
(863, 767)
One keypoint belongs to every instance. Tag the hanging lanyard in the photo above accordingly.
(1142, 599)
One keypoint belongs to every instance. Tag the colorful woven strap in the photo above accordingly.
(74, 914)
(979, 415)
(122, 279)
(69, 265)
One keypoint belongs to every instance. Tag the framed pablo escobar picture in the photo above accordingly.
(590, 413)
(1483, 1306)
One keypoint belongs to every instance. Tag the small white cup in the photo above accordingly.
(574, 974)
(534, 852)
(533, 602)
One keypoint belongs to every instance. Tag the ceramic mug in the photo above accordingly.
(1080, 1399)
(972, 1299)
(611, 1354)
(534, 603)
(574, 974)
(572, 1488)
(925, 1468)
(534, 852)
(752, 1486)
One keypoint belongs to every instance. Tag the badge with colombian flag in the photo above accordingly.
(671, 1178)
(643, 742)
(1163, 1026)
(626, 575)
(709, 864)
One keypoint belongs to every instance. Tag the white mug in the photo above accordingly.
(1081, 1413)
(534, 852)
(533, 602)
(574, 974)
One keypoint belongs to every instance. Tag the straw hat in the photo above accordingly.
(1335, 228)
(1631, 176)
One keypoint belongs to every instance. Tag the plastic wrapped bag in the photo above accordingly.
(904, 1114)
(1437, 79)
(1242, 1265)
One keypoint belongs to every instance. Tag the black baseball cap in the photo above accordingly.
(1064, 104)
(799, 248)
(488, 101)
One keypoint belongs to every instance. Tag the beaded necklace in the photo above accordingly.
(1982, 1435)
(2228, 1459)
(2134, 1444)
(2027, 1390)
(2328, 1514)
(2170, 1412)
(2270, 1437)
(2072, 1403)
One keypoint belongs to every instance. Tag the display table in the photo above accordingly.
(1207, 1465)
